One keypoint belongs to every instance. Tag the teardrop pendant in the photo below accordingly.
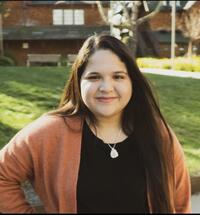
(114, 153)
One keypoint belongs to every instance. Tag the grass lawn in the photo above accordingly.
(179, 100)
(26, 93)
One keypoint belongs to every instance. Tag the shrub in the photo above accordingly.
(181, 63)
(11, 56)
(6, 61)
(63, 61)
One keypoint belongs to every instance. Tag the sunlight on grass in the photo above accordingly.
(179, 100)
(17, 112)
(27, 93)
(181, 63)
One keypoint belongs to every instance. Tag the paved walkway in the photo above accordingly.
(172, 73)
(196, 203)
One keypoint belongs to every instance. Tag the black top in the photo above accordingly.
(110, 185)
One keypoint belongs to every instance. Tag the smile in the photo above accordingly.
(106, 99)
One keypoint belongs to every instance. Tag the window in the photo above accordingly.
(177, 3)
(78, 17)
(68, 17)
(57, 17)
(165, 3)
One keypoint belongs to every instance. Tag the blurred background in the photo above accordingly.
(39, 41)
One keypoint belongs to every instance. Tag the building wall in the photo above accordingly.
(165, 50)
(24, 14)
(27, 14)
(161, 21)
(63, 47)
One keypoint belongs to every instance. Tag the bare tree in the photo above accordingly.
(3, 12)
(189, 23)
(1, 30)
(129, 21)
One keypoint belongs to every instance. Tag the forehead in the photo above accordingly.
(105, 60)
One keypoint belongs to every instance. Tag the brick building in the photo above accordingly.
(158, 29)
(60, 27)
(161, 26)
(53, 27)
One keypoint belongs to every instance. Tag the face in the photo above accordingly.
(106, 87)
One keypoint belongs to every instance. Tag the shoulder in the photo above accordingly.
(41, 126)
(177, 147)
(46, 128)
(171, 143)
(179, 158)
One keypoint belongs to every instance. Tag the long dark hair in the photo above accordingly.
(141, 116)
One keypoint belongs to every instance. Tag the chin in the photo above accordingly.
(106, 115)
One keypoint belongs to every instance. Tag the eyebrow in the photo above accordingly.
(115, 72)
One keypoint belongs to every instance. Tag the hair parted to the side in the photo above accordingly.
(141, 118)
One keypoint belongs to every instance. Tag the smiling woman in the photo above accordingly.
(107, 91)
(106, 149)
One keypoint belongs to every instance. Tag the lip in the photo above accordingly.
(106, 99)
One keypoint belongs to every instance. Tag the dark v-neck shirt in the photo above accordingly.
(110, 185)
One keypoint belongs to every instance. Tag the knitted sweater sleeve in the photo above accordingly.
(182, 180)
(15, 167)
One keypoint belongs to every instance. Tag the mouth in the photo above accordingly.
(106, 99)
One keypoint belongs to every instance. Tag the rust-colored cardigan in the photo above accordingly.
(48, 152)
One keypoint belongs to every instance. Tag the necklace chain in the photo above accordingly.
(114, 153)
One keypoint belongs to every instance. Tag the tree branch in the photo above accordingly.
(123, 26)
(100, 8)
(126, 11)
(145, 18)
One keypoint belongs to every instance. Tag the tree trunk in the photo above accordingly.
(189, 53)
(147, 41)
(133, 37)
(141, 45)
(132, 43)
(1, 36)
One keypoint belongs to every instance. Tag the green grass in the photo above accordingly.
(26, 93)
(179, 100)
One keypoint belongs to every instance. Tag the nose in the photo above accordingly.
(106, 86)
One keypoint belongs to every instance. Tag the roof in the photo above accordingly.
(165, 37)
(61, 2)
(52, 32)
(152, 5)
(189, 5)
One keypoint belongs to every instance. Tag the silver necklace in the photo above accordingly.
(113, 152)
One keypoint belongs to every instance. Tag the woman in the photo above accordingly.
(106, 149)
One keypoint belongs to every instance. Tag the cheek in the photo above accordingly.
(87, 90)
(126, 91)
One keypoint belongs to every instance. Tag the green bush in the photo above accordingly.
(6, 61)
(181, 63)
(11, 56)
(63, 61)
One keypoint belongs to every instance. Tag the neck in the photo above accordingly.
(109, 123)
(112, 126)
(106, 129)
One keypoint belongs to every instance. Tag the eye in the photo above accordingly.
(118, 77)
(93, 77)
